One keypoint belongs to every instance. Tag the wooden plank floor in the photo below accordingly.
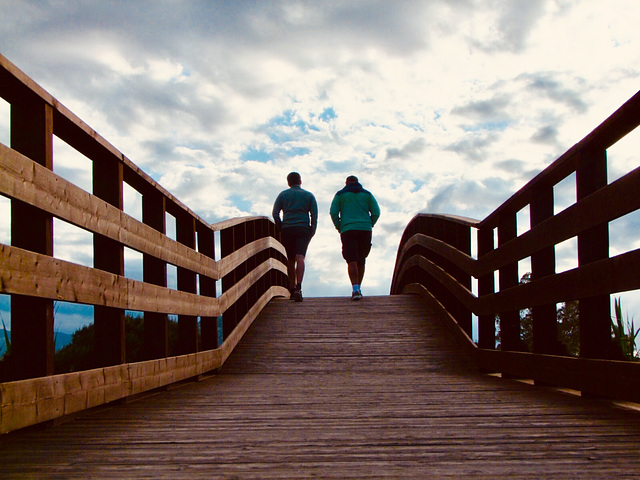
(330, 388)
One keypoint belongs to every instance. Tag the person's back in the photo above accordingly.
(297, 227)
(297, 206)
(354, 211)
(354, 208)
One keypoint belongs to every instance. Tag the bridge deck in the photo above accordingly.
(332, 388)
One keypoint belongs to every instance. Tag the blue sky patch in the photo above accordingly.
(257, 155)
(298, 151)
(328, 114)
(288, 119)
(240, 202)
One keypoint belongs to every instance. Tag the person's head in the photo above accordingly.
(294, 179)
(351, 179)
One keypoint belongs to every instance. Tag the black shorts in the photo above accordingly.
(296, 240)
(356, 245)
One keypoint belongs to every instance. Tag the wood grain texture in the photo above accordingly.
(32, 401)
(330, 388)
(22, 179)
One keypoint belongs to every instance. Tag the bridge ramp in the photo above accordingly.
(330, 388)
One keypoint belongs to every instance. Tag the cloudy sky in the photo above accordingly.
(437, 106)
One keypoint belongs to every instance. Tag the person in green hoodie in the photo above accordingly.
(354, 211)
(297, 227)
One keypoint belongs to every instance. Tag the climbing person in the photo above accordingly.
(297, 227)
(354, 211)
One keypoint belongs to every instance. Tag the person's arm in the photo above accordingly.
(334, 211)
(277, 207)
(313, 211)
(374, 208)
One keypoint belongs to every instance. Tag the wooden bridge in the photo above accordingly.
(335, 389)
(391, 387)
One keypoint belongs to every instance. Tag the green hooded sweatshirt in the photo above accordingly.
(354, 208)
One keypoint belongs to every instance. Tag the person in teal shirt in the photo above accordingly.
(354, 211)
(297, 228)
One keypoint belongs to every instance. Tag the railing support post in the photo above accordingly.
(231, 239)
(593, 245)
(486, 286)
(32, 318)
(108, 255)
(545, 329)
(208, 325)
(187, 324)
(509, 321)
(459, 236)
(156, 325)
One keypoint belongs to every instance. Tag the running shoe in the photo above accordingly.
(297, 295)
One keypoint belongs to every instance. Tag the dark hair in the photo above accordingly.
(352, 179)
(294, 179)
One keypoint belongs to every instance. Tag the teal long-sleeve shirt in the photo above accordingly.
(354, 208)
(299, 209)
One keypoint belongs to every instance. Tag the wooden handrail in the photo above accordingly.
(434, 261)
(252, 267)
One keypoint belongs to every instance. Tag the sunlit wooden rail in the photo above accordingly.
(434, 260)
(250, 268)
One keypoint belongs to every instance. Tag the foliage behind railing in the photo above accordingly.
(252, 267)
(434, 259)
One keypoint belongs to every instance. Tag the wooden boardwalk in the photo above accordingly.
(330, 388)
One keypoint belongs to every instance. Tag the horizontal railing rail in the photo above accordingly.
(435, 260)
(251, 268)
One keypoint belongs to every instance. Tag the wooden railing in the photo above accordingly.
(435, 260)
(252, 268)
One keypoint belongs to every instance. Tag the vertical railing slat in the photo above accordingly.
(545, 330)
(187, 324)
(32, 318)
(108, 255)
(593, 245)
(156, 325)
(208, 325)
(508, 277)
(486, 286)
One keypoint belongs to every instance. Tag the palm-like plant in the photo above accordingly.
(624, 332)
(7, 340)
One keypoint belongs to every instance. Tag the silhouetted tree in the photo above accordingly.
(567, 320)
(78, 355)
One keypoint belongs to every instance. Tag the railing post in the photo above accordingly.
(509, 321)
(156, 325)
(208, 325)
(187, 324)
(32, 318)
(593, 245)
(228, 244)
(459, 237)
(545, 324)
(486, 286)
(108, 255)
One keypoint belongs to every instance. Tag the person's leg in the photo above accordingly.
(360, 267)
(288, 241)
(291, 272)
(352, 270)
(303, 236)
(299, 269)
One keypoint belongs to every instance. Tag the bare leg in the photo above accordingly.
(291, 272)
(299, 269)
(360, 272)
(352, 270)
